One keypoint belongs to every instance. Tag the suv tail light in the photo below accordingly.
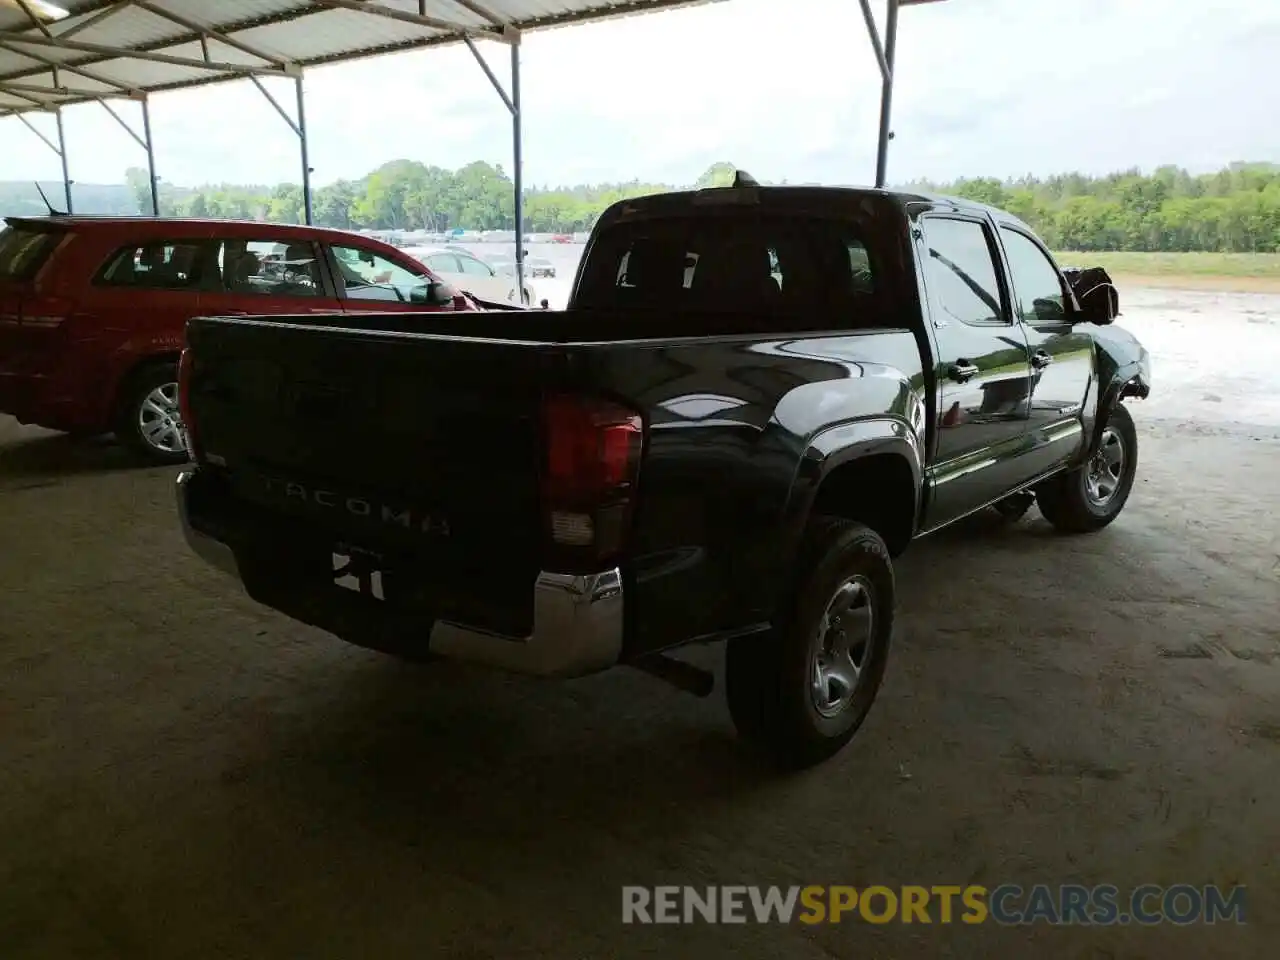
(44, 312)
(185, 363)
(590, 476)
(47, 321)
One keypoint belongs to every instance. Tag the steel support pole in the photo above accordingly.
(62, 155)
(306, 160)
(886, 91)
(517, 175)
(151, 159)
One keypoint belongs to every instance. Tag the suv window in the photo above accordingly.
(371, 276)
(961, 272)
(744, 263)
(23, 251)
(268, 268)
(1037, 287)
(156, 265)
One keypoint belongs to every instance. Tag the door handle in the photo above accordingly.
(961, 371)
(1040, 360)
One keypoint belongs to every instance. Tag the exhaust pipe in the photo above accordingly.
(679, 674)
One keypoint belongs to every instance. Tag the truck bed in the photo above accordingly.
(374, 433)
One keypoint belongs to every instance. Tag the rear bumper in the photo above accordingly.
(37, 398)
(21, 395)
(577, 619)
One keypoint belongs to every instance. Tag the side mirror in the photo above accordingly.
(1099, 305)
(434, 294)
(1095, 293)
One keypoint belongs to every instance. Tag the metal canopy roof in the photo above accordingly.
(54, 53)
(129, 48)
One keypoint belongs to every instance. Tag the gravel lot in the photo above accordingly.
(186, 774)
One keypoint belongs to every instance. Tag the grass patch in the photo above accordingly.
(1262, 266)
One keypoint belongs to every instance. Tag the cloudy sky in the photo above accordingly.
(986, 87)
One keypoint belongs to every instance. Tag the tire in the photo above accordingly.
(771, 680)
(1014, 508)
(147, 420)
(1092, 495)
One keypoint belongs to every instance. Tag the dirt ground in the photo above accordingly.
(186, 774)
(1214, 282)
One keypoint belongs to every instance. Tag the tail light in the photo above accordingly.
(590, 476)
(185, 363)
(45, 312)
(47, 321)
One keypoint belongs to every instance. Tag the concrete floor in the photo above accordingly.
(186, 774)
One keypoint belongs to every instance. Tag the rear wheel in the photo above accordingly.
(1092, 495)
(803, 690)
(148, 420)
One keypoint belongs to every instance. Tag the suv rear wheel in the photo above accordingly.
(148, 420)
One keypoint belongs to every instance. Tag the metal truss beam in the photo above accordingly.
(511, 100)
(144, 141)
(60, 148)
(152, 56)
(299, 128)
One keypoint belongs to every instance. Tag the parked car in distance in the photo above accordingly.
(539, 267)
(472, 275)
(756, 399)
(93, 309)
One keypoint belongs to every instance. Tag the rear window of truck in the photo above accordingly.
(748, 263)
(24, 250)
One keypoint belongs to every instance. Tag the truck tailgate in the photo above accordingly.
(426, 447)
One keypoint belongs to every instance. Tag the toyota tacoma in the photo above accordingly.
(756, 398)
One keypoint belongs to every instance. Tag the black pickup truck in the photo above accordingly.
(757, 397)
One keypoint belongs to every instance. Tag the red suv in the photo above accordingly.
(93, 310)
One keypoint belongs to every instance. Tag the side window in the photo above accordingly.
(1037, 287)
(961, 271)
(268, 268)
(473, 267)
(371, 276)
(443, 263)
(161, 265)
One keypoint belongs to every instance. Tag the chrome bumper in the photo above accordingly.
(213, 552)
(577, 620)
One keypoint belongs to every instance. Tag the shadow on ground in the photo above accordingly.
(189, 774)
(27, 461)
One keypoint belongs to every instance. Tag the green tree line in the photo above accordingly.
(401, 195)
(1236, 209)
